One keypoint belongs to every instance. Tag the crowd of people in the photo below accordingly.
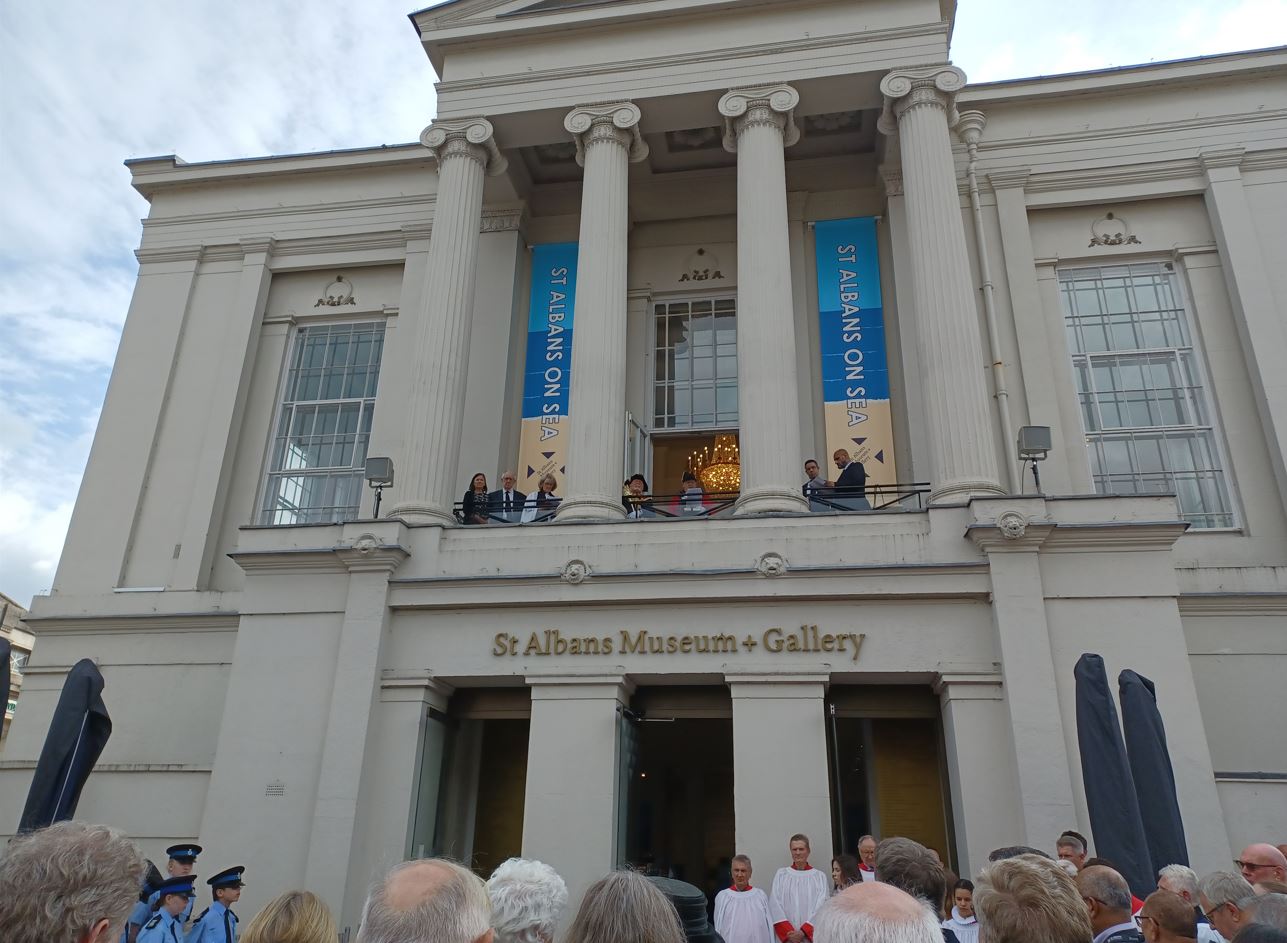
(507, 505)
(79, 883)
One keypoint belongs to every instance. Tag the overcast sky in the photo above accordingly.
(87, 85)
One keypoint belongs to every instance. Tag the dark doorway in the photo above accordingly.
(679, 801)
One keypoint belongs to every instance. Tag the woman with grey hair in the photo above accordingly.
(625, 907)
(528, 898)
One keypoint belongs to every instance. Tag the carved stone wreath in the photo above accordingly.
(771, 564)
(575, 571)
(1111, 231)
(1012, 525)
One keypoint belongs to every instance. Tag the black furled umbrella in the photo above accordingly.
(1105, 771)
(77, 734)
(1151, 770)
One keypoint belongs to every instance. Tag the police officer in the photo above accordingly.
(181, 859)
(166, 925)
(217, 923)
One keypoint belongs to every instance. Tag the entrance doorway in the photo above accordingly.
(887, 767)
(678, 801)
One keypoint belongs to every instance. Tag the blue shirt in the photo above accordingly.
(162, 928)
(183, 917)
(138, 916)
(215, 924)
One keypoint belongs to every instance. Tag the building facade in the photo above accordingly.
(14, 630)
(634, 227)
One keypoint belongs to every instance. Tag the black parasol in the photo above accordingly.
(77, 734)
(1110, 792)
(1151, 770)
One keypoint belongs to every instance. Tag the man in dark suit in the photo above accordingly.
(506, 504)
(816, 487)
(850, 483)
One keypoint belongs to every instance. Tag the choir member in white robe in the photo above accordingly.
(800, 890)
(745, 914)
(867, 858)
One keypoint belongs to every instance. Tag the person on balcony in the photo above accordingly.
(541, 503)
(816, 487)
(692, 499)
(637, 501)
(850, 483)
(506, 503)
(474, 503)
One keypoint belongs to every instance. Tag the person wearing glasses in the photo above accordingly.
(1108, 902)
(1262, 862)
(1220, 896)
(1166, 918)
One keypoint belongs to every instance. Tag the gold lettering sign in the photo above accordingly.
(777, 640)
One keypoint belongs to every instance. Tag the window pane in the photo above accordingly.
(696, 352)
(1136, 374)
(315, 464)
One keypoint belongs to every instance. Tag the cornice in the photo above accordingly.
(134, 623)
(1233, 604)
(156, 256)
(1115, 536)
(343, 207)
(1014, 178)
(715, 55)
(1117, 133)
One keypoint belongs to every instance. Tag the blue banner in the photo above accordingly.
(851, 320)
(548, 370)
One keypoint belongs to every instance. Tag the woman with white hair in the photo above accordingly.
(528, 898)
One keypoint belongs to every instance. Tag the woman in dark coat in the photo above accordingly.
(474, 503)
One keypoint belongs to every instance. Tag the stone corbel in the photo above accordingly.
(909, 88)
(774, 104)
(616, 118)
(472, 137)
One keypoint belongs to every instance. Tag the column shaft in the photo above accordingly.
(758, 125)
(607, 141)
(784, 790)
(962, 448)
(570, 809)
(465, 151)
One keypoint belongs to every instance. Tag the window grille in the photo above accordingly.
(695, 386)
(319, 448)
(1149, 426)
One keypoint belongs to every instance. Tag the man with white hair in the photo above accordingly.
(528, 898)
(875, 913)
(1267, 909)
(1183, 883)
(1220, 895)
(68, 883)
(427, 901)
(745, 914)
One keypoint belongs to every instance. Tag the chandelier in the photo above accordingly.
(718, 466)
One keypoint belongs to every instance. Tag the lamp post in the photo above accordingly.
(1034, 445)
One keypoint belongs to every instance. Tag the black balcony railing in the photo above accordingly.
(875, 498)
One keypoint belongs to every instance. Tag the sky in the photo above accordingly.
(88, 85)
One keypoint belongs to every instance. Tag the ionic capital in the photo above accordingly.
(606, 123)
(772, 105)
(904, 89)
(471, 138)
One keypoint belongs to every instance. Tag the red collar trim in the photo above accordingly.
(807, 867)
(863, 867)
(740, 890)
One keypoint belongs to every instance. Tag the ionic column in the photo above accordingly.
(466, 150)
(758, 123)
(607, 142)
(919, 107)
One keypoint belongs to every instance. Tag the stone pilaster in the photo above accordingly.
(466, 150)
(919, 107)
(607, 142)
(758, 124)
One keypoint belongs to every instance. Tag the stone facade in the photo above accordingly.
(301, 698)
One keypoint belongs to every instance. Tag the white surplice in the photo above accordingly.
(800, 893)
(746, 916)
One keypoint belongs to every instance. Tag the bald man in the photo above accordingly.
(1108, 901)
(1262, 862)
(1167, 918)
(872, 913)
(418, 899)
